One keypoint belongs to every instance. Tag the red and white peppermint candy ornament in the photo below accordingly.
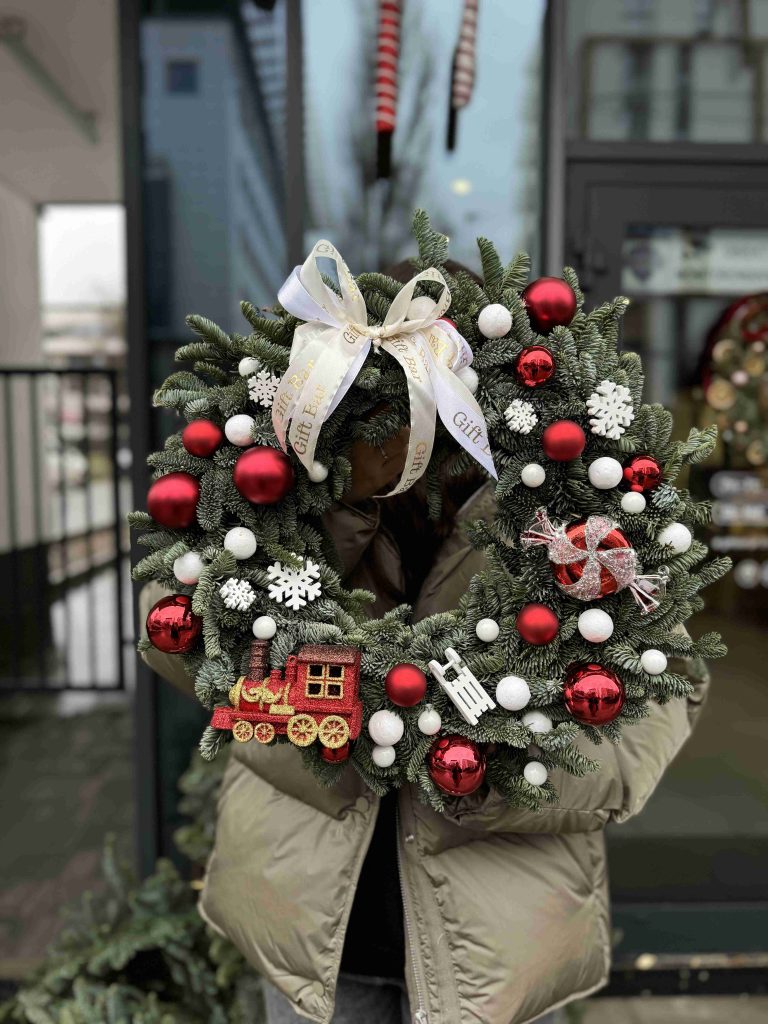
(593, 558)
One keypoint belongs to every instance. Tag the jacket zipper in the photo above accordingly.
(420, 1015)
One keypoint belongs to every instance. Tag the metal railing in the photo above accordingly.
(64, 489)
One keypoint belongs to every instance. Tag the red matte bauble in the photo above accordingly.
(172, 500)
(202, 438)
(537, 624)
(571, 572)
(593, 695)
(551, 302)
(172, 626)
(642, 473)
(263, 475)
(405, 685)
(456, 765)
(563, 440)
(534, 366)
(337, 755)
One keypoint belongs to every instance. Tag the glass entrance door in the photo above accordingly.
(687, 242)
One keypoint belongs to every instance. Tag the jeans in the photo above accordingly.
(371, 1001)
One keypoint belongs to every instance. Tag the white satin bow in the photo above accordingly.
(329, 350)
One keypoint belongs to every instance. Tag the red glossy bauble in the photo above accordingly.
(172, 626)
(563, 440)
(537, 624)
(336, 756)
(405, 685)
(172, 500)
(593, 695)
(534, 366)
(263, 475)
(551, 302)
(571, 572)
(456, 765)
(202, 438)
(642, 473)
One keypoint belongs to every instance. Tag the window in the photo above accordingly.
(325, 681)
(181, 76)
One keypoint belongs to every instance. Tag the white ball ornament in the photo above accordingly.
(494, 321)
(238, 430)
(248, 366)
(487, 630)
(264, 628)
(383, 757)
(513, 693)
(240, 542)
(187, 567)
(595, 625)
(653, 662)
(533, 475)
(605, 473)
(429, 721)
(385, 727)
(537, 722)
(676, 536)
(317, 472)
(468, 378)
(420, 308)
(535, 773)
(633, 502)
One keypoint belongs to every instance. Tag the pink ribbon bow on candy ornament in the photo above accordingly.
(609, 561)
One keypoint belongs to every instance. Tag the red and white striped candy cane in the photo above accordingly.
(463, 74)
(387, 55)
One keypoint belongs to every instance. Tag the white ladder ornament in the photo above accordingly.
(464, 690)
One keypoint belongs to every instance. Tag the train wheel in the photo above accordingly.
(242, 731)
(264, 732)
(302, 730)
(334, 732)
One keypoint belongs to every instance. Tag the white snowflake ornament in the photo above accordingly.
(262, 388)
(520, 416)
(611, 410)
(295, 587)
(237, 594)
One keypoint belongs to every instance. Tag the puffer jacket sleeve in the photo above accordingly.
(628, 774)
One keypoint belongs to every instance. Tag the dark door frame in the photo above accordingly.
(653, 183)
(713, 939)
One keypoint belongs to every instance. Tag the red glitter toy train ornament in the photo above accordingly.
(317, 698)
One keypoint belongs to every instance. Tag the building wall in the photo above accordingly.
(20, 336)
(221, 226)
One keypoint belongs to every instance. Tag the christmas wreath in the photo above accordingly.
(736, 392)
(591, 566)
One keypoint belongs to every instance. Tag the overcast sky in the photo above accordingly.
(82, 255)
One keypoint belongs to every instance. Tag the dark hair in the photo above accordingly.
(406, 516)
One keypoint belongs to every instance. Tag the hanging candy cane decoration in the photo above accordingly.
(463, 74)
(387, 55)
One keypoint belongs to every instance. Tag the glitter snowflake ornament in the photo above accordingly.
(610, 408)
(520, 416)
(262, 388)
(294, 587)
(237, 595)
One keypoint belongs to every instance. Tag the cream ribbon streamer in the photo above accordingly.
(329, 350)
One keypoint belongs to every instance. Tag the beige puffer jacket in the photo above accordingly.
(506, 910)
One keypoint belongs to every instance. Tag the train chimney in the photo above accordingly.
(258, 669)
